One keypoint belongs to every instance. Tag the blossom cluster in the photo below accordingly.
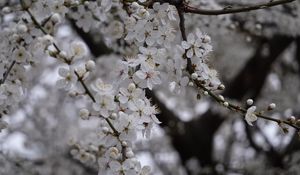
(121, 104)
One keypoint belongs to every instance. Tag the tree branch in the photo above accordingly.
(216, 97)
(6, 73)
(189, 9)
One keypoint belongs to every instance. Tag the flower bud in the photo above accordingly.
(73, 94)
(194, 76)
(21, 28)
(90, 65)
(271, 106)
(26, 3)
(131, 87)
(105, 130)
(124, 143)
(221, 97)
(114, 152)
(221, 87)
(292, 119)
(191, 84)
(113, 116)
(206, 39)
(6, 10)
(55, 18)
(129, 154)
(226, 104)
(249, 102)
(84, 114)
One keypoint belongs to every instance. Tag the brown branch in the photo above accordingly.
(181, 23)
(86, 89)
(243, 111)
(189, 9)
(184, 38)
(6, 73)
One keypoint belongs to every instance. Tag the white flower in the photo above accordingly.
(196, 45)
(41, 9)
(106, 5)
(145, 170)
(104, 104)
(147, 77)
(84, 114)
(249, 102)
(90, 65)
(115, 30)
(69, 78)
(140, 110)
(126, 168)
(21, 55)
(147, 56)
(152, 37)
(132, 61)
(58, 7)
(129, 95)
(167, 33)
(78, 49)
(55, 18)
(164, 10)
(250, 115)
(102, 88)
(82, 72)
(121, 71)
(127, 126)
(84, 18)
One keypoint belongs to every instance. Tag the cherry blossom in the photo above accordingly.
(68, 78)
(104, 104)
(196, 45)
(148, 52)
(147, 78)
(250, 115)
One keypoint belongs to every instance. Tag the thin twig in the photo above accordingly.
(184, 38)
(181, 23)
(237, 108)
(87, 91)
(189, 9)
(6, 73)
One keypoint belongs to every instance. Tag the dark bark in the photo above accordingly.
(252, 76)
(96, 48)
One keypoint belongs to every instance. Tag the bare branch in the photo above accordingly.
(243, 111)
(189, 9)
(6, 73)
